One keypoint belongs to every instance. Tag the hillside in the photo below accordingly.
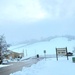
(49, 46)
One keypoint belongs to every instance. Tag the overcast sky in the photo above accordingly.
(22, 20)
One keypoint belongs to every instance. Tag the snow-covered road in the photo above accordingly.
(16, 66)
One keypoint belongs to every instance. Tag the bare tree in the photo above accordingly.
(3, 47)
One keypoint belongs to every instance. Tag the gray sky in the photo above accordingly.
(34, 19)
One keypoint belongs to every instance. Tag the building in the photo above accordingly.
(10, 54)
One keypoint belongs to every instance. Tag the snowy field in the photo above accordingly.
(49, 46)
(50, 66)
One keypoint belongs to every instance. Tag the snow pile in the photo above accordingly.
(50, 67)
(25, 58)
(3, 65)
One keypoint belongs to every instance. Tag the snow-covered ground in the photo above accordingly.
(49, 46)
(50, 66)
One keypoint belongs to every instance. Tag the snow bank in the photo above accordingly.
(50, 67)
(3, 65)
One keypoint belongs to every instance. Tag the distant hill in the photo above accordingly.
(32, 41)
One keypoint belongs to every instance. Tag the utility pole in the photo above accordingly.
(23, 52)
(26, 52)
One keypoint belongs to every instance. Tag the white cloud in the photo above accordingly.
(22, 10)
(33, 10)
(58, 9)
